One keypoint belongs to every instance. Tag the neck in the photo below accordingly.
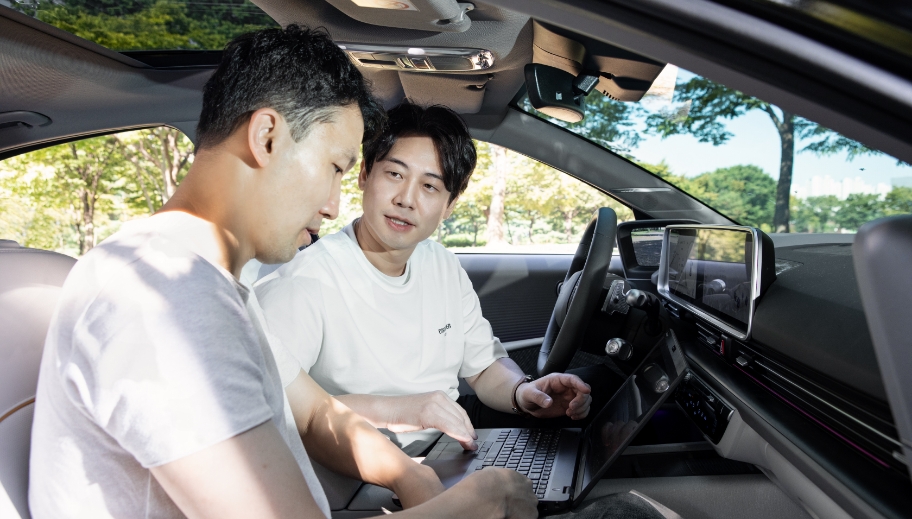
(213, 192)
(391, 262)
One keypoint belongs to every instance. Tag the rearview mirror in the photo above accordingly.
(551, 92)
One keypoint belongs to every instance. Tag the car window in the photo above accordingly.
(69, 197)
(143, 25)
(513, 204)
(750, 160)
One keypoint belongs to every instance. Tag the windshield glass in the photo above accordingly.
(138, 25)
(750, 160)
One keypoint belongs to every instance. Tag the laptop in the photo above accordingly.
(565, 464)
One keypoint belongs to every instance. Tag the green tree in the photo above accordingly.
(898, 201)
(814, 214)
(70, 183)
(161, 158)
(857, 210)
(151, 24)
(609, 123)
(712, 103)
(744, 193)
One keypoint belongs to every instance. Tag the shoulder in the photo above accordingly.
(430, 249)
(431, 255)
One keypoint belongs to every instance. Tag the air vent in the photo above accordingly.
(413, 59)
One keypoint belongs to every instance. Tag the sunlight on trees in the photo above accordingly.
(69, 197)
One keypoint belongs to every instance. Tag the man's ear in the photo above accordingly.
(362, 176)
(261, 134)
(450, 208)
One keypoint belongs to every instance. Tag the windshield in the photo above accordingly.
(144, 25)
(750, 160)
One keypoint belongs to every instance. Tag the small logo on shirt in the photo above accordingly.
(445, 328)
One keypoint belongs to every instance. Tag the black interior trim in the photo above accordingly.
(828, 462)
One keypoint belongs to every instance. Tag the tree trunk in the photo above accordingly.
(531, 225)
(568, 225)
(87, 240)
(786, 163)
(495, 231)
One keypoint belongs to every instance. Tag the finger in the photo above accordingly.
(455, 423)
(579, 400)
(582, 411)
(536, 397)
(466, 420)
(573, 381)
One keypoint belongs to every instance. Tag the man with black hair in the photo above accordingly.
(386, 319)
(159, 394)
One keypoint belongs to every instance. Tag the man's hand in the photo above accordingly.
(499, 492)
(434, 410)
(554, 395)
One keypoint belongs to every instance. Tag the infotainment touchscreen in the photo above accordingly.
(711, 269)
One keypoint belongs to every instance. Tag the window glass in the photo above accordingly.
(131, 25)
(517, 204)
(70, 197)
(750, 160)
(541, 210)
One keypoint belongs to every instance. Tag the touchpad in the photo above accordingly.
(448, 469)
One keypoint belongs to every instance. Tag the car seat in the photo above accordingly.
(882, 253)
(30, 281)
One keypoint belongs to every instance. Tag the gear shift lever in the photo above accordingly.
(649, 304)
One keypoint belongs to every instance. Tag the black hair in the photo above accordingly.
(455, 148)
(297, 71)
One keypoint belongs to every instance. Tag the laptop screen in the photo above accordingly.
(629, 410)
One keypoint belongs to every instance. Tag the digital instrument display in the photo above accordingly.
(713, 271)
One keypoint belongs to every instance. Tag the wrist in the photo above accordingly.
(416, 485)
(516, 398)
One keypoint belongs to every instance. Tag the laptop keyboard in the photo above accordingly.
(530, 452)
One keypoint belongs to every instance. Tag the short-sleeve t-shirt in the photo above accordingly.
(358, 331)
(152, 355)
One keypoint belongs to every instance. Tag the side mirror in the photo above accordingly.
(551, 91)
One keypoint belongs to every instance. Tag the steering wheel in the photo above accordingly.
(579, 294)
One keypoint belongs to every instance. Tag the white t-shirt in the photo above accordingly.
(151, 356)
(358, 331)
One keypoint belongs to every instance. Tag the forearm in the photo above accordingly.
(494, 386)
(373, 408)
(338, 438)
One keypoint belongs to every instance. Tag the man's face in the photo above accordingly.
(404, 195)
(303, 183)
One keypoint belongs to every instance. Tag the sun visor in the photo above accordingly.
(554, 50)
(625, 76)
(422, 15)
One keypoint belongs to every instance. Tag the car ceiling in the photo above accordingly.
(86, 88)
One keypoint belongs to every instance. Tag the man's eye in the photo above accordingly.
(395, 175)
(432, 188)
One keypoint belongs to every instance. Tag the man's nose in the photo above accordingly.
(406, 195)
(331, 210)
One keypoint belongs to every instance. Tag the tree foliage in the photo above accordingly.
(71, 196)
(709, 104)
(151, 24)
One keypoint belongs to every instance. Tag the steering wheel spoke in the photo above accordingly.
(579, 294)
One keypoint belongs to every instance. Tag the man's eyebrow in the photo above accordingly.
(352, 158)
(404, 165)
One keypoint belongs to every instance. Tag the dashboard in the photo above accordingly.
(796, 391)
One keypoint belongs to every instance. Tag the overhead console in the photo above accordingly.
(418, 59)
(422, 15)
(717, 272)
